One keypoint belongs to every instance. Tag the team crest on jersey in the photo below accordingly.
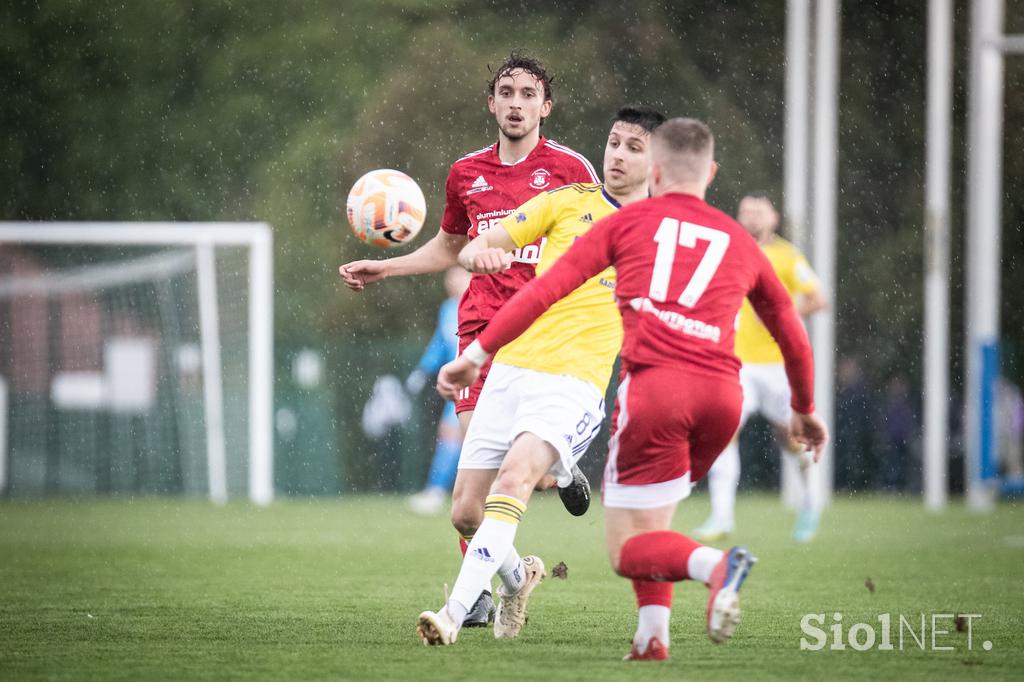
(540, 179)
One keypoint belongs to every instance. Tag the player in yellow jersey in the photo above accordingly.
(543, 401)
(763, 378)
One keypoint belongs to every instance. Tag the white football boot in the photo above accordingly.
(723, 613)
(511, 615)
(437, 628)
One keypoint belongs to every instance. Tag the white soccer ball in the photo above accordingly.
(386, 208)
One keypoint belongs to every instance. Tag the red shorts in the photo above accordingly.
(669, 426)
(466, 400)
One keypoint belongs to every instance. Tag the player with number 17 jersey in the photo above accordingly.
(683, 269)
(480, 191)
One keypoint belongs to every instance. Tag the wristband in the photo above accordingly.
(476, 354)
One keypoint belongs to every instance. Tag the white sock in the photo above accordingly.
(812, 491)
(806, 489)
(723, 479)
(702, 562)
(653, 623)
(457, 611)
(491, 544)
(512, 573)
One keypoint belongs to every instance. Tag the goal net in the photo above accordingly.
(136, 358)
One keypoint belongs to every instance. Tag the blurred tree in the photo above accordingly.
(225, 111)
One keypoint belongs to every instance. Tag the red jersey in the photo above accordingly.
(480, 191)
(683, 269)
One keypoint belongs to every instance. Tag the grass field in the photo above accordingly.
(330, 589)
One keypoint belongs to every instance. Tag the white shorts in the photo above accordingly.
(765, 391)
(562, 410)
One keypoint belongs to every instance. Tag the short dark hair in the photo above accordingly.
(519, 61)
(640, 115)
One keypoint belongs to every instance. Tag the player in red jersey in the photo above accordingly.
(683, 269)
(483, 187)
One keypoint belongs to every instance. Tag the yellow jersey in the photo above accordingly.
(754, 343)
(581, 334)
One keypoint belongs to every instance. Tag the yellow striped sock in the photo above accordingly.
(504, 508)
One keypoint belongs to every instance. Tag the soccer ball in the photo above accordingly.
(386, 208)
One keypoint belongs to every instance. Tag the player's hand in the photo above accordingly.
(455, 376)
(490, 261)
(358, 274)
(809, 431)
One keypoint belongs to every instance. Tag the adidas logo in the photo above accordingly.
(587, 218)
(482, 554)
(479, 185)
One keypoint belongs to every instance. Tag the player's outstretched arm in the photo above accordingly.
(810, 431)
(439, 253)
(489, 253)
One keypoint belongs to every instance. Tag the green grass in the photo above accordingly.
(169, 589)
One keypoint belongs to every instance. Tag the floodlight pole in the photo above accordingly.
(796, 162)
(825, 174)
(937, 236)
(795, 169)
(984, 217)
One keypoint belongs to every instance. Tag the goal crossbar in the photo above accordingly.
(135, 233)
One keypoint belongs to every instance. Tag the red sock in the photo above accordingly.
(649, 593)
(659, 555)
(463, 545)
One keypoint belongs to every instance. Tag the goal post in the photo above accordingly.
(193, 249)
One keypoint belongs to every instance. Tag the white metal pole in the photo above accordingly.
(984, 218)
(796, 171)
(213, 389)
(937, 236)
(261, 368)
(795, 159)
(826, 153)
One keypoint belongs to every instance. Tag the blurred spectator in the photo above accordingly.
(856, 428)
(899, 435)
(383, 416)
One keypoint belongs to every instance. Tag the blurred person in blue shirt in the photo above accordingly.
(443, 348)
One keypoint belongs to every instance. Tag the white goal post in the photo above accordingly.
(256, 238)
